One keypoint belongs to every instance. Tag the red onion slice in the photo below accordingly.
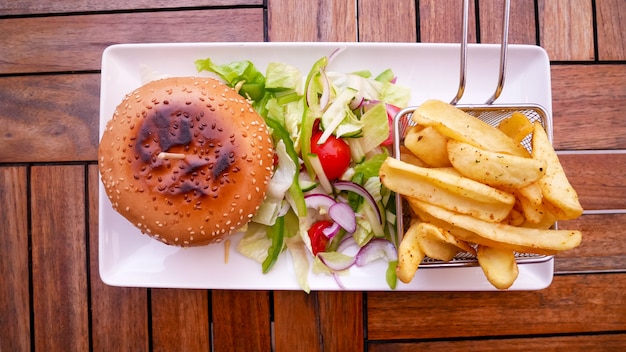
(331, 231)
(343, 215)
(336, 262)
(375, 249)
(319, 200)
(325, 97)
(358, 189)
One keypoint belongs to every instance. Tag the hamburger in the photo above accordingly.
(186, 160)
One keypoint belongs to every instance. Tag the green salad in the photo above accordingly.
(331, 132)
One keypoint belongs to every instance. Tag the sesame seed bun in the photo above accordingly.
(186, 160)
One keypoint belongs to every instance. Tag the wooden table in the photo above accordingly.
(51, 296)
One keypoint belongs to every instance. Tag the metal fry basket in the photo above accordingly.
(488, 112)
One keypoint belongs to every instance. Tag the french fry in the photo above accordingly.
(498, 265)
(433, 243)
(495, 169)
(526, 240)
(410, 255)
(554, 184)
(533, 213)
(428, 145)
(458, 125)
(533, 193)
(517, 126)
(408, 157)
(453, 192)
(469, 236)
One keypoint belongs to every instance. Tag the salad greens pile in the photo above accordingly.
(331, 133)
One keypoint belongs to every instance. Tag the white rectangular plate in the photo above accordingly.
(128, 258)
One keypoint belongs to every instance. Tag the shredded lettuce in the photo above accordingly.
(254, 243)
(281, 76)
(298, 252)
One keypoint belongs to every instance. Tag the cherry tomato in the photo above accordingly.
(319, 241)
(334, 155)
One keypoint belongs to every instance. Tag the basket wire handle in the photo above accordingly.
(503, 52)
(463, 67)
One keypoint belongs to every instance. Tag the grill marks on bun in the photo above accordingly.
(186, 160)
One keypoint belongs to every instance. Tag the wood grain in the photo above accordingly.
(441, 21)
(60, 299)
(124, 308)
(588, 106)
(605, 342)
(611, 20)
(319, 321)
(566, 29)
(603, 247)
(75, 43)
(301, 333)
(571, 304)
(30, 7)
(311, 21)
(66, 110)
(241, 320)
(598, 179)
(180, 320)
(521, 21)
(14, 285)
(341, 316)
(387, 21)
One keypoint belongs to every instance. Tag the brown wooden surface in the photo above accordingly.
(51, 296)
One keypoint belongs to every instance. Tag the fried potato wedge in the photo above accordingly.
(433, 243)
(525, 240)
(410, 255)
(493, 168)
(533, 193)
(408, 157)
(457, 124)
(517, 126)
(498, 265)
(459, 194)
(533, 213)
(555, 186)
(469, 236)
(428, 145)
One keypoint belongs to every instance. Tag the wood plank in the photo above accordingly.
(588, 106)
(241, 320)
(303, 333)
(571, 305)
(603, 246)
(66, 109)
(521, 21)
(611, 20)
(311, 21)
(119, 314)
(441, 21)
(597, 178)
(14, 286)
(578, 343)
(387, 21)
(319, 321)
(30, 7)
(566, 29)
(75, 43)
(180, 320)
(342, 320)
(59, 263)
